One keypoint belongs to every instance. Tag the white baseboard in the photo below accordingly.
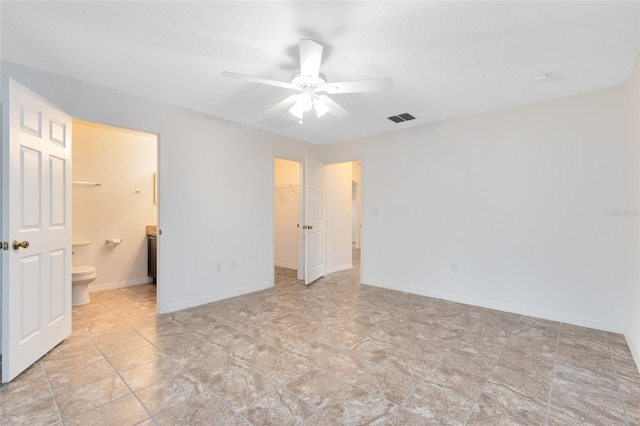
(339, 268)
(190, 303)
(521, 310)
(121, 284)
(286, 265)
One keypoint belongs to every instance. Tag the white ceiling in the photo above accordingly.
(447, 59)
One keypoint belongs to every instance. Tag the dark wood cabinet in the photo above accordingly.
(153, 256)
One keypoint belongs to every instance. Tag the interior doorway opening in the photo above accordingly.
(342, 212)
(287, 206)
(114, 204)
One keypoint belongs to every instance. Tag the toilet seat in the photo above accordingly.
(81, 271)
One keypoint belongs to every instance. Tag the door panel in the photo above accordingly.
(314, 173)
(36, 188)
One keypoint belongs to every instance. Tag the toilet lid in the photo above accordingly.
(82, 270)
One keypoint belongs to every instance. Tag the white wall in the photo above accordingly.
(124, 162)
(338, 216)
(515, 197)
(215, 189)
(632, 329)
(286, 196)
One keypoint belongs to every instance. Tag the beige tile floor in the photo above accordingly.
(332, 353)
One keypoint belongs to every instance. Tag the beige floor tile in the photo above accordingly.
(134, 358)
(197, 354)
(514, 403)
(121, 412)
(285, 368)
(347, 366)
(90, 396)
(169, 392)
(372, 350)
(314, 352)
(355, 406)
(71, 353)
(481, 416)
(402, 417)
(150, 373)
(242, 387)
(387, 384)
(462, 373)
(70, 379)
(631, 395)
(42, 412)
(279, 408)
(438, 404)
(121, 344)
(202, 409)
(24, 391)
(626, 369)
(236, 420)
(413, 362)
(257, 355)
(321, 419)
(316, 387)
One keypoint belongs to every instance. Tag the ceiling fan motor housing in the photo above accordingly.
(305, 81)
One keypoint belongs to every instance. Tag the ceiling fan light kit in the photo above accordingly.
(310, 81)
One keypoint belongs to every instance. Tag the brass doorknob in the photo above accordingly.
(17, 244)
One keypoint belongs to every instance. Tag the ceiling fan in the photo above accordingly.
(312, 83)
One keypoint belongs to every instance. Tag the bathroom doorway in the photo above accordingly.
(114, 202)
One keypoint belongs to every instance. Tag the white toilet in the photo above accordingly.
(81, 277)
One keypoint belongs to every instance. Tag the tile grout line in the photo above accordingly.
(54, 396)
(475, 402)
(184, 371)
(151, 417)
(426, 376)
(615, 371)
(553, 377)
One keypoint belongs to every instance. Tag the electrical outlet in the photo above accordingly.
(453, 268)
(233, 265)
(218, 266)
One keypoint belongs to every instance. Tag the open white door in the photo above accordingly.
(36, 228)
(314, 263)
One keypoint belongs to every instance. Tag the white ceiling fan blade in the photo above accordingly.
(375, 85)
(258, 80)
(334, 108)
(281, 106)
(310, 58)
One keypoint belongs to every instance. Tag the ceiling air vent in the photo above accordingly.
(401, 117)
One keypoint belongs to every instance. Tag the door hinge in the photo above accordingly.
(5, 245)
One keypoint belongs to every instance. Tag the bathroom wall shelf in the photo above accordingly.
(86, 183)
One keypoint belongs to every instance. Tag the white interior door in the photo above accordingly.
(314, 220)
(36, 206)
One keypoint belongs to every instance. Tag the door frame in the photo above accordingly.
(301, 266)
(159, 181)
(162, 168)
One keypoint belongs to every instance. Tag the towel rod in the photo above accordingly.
(86, 183)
